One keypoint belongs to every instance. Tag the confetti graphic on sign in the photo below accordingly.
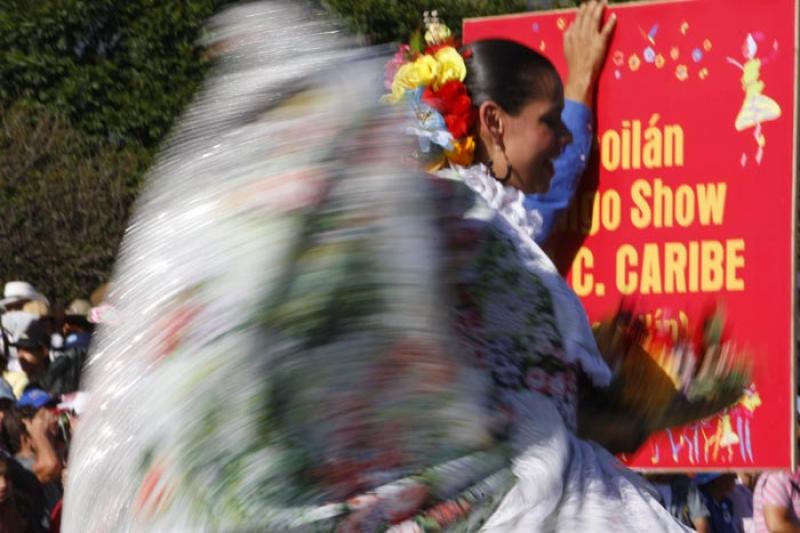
(650, 36)
(658, 56)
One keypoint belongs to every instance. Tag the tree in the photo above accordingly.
(118, 69)
(65, 202)
(88, 89)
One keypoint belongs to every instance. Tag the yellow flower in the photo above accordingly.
(634, 62)
(451, 66)
(463, 152)
(436, 165)
(421, 72)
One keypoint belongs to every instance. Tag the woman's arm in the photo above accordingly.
(616, 432)
(585, 46)
(779, 520)
(46, 466)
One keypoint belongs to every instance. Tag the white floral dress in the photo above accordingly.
(519, 318)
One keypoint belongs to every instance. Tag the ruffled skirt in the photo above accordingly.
(568, 484)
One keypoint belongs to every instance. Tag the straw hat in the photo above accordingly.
(16, 291)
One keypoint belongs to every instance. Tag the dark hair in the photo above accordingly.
(508, 73)
(13, 429)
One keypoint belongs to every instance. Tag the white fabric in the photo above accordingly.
(563, 483)
(576, 333)
(566, 484)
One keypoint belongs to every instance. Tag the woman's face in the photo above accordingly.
(533, 139)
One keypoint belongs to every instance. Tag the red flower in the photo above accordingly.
(431, 50)
(455, 105)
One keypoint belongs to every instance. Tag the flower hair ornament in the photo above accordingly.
(428, 76)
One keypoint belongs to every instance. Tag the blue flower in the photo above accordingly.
(429, 125)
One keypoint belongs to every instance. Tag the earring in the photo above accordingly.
(490, 165)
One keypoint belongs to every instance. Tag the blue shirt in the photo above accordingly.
(721, 514)
(569, 168)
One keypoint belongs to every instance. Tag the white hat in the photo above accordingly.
(79, 307)
(15, 291)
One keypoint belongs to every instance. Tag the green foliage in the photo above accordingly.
(118, 69)
(64, 202)
(88, 89)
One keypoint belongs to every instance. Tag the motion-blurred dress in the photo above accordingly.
(311, 335)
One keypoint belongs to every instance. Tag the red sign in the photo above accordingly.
(693, 200)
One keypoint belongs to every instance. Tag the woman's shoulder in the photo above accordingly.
(454, 195)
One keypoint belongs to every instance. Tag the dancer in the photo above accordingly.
(312, 335)
(757, 107)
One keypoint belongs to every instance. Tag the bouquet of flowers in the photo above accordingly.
(671, 375)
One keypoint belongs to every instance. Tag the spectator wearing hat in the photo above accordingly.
(28, 430)
(33, 350)
(66, 370)
(17, 293)
(77, 330)
(37, 449)
(9, 361)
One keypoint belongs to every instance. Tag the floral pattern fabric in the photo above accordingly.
(507, 314)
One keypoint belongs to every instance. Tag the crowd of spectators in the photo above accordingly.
(43, 354)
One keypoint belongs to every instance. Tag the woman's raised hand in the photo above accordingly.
(585, 47)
